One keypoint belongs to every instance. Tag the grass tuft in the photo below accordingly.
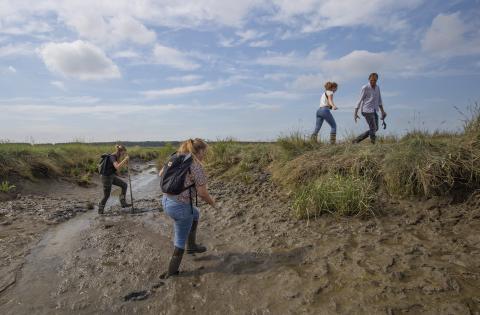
(335, 194)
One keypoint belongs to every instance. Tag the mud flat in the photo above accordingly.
(416, 258)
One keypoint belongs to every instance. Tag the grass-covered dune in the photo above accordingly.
(77, 161)
(347, 179)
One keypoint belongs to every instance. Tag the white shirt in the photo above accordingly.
(370, 99)
(323, 99)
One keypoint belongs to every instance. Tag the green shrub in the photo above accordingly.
(6, 187)
(339, 195)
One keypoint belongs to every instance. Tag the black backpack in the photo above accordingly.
(105, 167)
(174, 174)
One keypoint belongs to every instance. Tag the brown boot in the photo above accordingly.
(192, 246)
(174, 263)
(333, 138)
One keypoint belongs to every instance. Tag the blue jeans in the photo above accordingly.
(323, 113)
(183, 216)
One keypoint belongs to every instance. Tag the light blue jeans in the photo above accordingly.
(182, 215)
(323, 113)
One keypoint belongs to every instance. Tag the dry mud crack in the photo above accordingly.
(419, 258)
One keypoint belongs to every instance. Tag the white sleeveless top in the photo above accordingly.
(323, 99)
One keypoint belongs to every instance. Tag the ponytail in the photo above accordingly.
(192, 146)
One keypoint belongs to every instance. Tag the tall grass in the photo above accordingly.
(74, 160)
(296, 144)
(335, 194)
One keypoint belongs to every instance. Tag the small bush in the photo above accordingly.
(339, 195)
(6, 187)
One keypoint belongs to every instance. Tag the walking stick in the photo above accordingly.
(130, 184)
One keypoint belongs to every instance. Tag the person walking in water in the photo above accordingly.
(370, 102)
(323, 113)
(110, 166)
(184, 168)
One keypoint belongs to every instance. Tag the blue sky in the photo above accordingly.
(99, 70)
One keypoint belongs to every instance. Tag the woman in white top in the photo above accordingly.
(323, 113)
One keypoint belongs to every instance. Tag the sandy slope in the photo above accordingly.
(418, 258)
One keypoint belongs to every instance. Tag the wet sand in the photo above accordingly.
(415, 258)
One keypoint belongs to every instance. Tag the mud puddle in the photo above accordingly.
(35, 286)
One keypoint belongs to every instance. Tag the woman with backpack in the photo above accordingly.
(185, 166)
(109, 166)
(323, 113)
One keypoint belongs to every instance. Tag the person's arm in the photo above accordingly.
(202, 191)
(161, 172)
(362, 96)
(121, 164)
(330, 101)
(380, 104)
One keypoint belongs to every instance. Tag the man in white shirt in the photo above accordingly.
(370, 102)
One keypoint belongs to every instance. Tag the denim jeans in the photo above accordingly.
(182, 215)
(372, 121)
(107, 182)
(323, 113)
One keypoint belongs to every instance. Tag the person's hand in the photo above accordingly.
(384, 114)
(334, 107)
(356, 117)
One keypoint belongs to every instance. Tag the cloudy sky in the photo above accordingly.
(103, 70)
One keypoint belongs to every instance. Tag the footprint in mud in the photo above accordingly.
(250, 262)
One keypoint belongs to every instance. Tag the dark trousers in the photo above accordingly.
(372, 121)
(107, 182)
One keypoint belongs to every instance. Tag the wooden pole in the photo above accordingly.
(130, 184)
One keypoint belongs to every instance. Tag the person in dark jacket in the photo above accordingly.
(110, 177)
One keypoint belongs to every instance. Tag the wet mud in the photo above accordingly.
(418, 257)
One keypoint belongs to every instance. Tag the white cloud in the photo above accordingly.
(358, 63)
(276, 76)
(26, 27)
(174, 58)
(185, 78)
(309, 82)
(248, 35)
(261, 43)
(316, 15)
(280, 95)
(127, 28)
(448, 36)
(207, 86)
(127, 54)
(227, 42)
(245, 36)
(16, 50)
(12, 69)
(80, 60)
(59, 84)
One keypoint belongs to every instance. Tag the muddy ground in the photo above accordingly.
(58, 257)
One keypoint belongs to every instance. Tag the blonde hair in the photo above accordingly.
(120, 148)
(330, 85)
(193, 146)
